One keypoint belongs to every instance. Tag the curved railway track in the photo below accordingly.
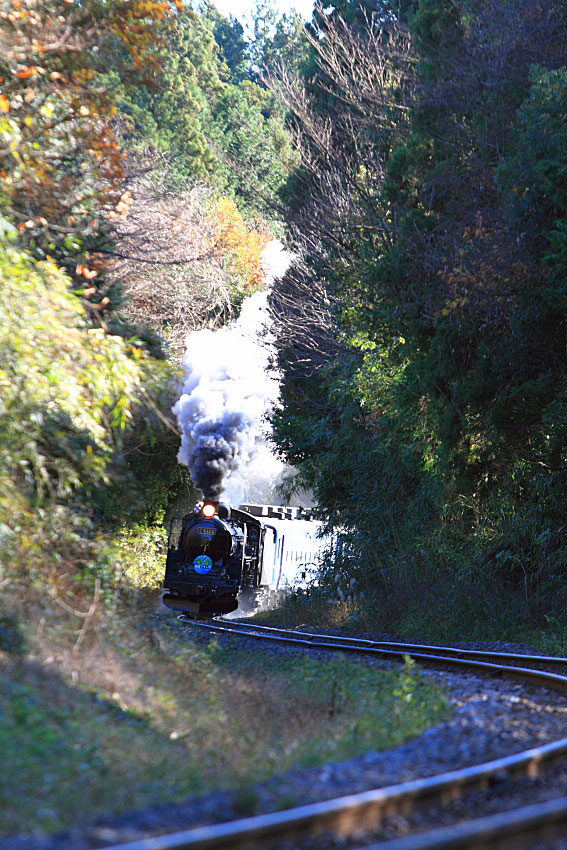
(363, 812)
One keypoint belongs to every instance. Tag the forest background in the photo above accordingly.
(413, 157)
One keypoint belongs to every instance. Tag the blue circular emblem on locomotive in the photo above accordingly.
(203, 564)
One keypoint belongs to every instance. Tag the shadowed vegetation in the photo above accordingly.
(148, 716)
(423, 339)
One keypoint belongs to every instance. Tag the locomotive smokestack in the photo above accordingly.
(228, 392)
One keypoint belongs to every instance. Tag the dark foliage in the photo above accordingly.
(427, 409)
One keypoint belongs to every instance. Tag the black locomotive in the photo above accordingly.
(215, 556)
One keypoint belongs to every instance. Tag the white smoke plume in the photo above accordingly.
(228, 392)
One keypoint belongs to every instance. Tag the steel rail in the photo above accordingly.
(539, 677)
(512, 830)
(347, 816)
(457, 652)
(351, 815)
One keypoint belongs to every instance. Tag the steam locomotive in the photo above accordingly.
(216, 555)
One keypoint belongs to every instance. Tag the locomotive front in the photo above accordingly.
(216, 555)
(203, 570)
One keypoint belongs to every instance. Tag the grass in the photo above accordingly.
(308, 610)
(312, 711)
(139, 715)
(65, 755)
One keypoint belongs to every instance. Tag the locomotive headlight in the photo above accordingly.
(208, 510)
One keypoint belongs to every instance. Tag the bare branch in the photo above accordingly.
(166, 257)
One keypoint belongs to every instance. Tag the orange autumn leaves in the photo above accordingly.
(57, 143)
(243, 247)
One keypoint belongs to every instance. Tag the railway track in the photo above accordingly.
(358, 813)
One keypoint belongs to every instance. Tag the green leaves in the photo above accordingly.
(440, 428)
(66, 391)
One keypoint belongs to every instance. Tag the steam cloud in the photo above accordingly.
(228, 391)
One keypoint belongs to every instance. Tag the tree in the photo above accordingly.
(61, 419)
(229, 35)
(430, 208)
(253, 147)
(185, 257)
(213, 124)
(175, 115)
(274, 39)
(62, 169)
(345, 120)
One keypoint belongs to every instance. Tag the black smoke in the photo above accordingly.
(217, 451)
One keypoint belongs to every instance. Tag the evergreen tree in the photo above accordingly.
(175, 115)
(432, 210)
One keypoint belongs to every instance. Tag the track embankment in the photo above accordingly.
(418, 805)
